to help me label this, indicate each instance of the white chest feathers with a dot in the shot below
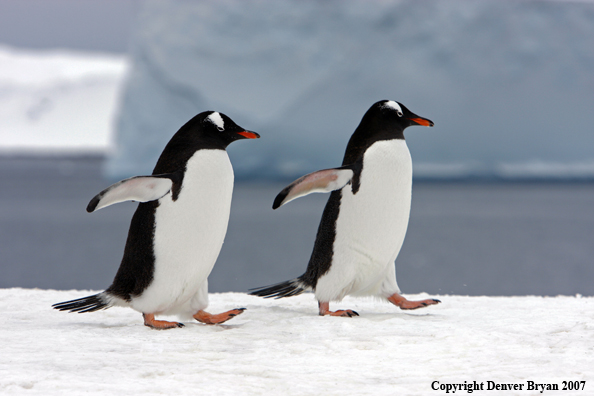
(371, 224)
(189, 232)
(378, 213)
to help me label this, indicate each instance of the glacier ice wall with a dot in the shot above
(57, 101)
(509, 84)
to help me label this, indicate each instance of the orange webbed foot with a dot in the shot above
(150, 321)
(403, 303)
(325, 310)
(207, 318)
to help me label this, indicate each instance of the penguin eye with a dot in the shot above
(399, 113)
(220, 129)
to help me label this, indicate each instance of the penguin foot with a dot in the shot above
(150, 321)
(207, 318)
(403, 303)
(325, 310)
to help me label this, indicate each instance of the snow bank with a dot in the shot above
(283, 347)
(58, 100)
(507, 83)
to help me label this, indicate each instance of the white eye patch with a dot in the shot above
(393, 105)
(216, 119)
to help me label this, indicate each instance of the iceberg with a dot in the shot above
(58, 101)
(504, 82)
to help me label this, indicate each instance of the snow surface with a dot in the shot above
(58, 100)
(283, 347)
(509, 84)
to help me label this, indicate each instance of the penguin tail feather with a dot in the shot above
(92, 303)
(290, 288)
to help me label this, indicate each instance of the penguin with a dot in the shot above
(364, 222)
(178, 229)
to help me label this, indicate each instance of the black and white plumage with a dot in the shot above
(365, 220)
(178, 228)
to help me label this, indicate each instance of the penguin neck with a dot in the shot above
(181, 148)
(362, 140)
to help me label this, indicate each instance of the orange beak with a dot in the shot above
(249, 134)
(422, 121)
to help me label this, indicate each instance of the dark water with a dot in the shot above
(463, 238)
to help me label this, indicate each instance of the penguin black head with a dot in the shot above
(208, 130)
(217, 127)
(385, 120)
(390, 115)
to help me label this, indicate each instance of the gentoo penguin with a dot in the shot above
(178, 229)
(365, 220)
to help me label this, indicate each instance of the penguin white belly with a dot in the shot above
(189, 234)
(371, 225)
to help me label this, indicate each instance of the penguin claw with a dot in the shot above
(405, 304)
(150, 321)
(207, 318)
(324, 310)
(345, 313)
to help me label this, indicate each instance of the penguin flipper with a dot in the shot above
(325, 180)
(137, 188)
